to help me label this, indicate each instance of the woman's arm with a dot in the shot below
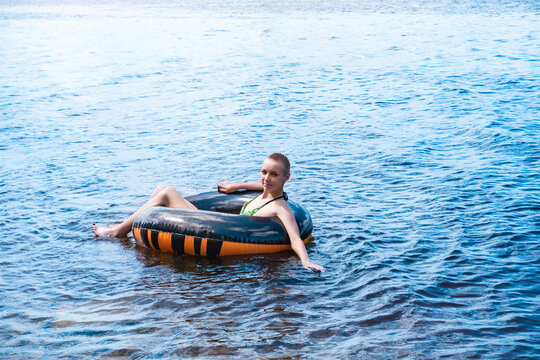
(289, 222)
(230, 187)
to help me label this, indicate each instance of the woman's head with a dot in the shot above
(283, 160)
(275, 172)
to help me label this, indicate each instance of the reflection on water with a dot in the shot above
(413, 132)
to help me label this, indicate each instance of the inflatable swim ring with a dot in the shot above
(216, 229)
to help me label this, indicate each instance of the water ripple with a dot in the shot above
(413, 133)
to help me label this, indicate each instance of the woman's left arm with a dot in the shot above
(289, 222)
(230, 186)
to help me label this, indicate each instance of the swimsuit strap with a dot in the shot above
(284, 196)
(253, 211)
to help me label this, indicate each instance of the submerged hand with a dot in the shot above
(313, 267)
(227, 187)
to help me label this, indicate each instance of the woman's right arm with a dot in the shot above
(230, 187)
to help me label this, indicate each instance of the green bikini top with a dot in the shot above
(253, 211)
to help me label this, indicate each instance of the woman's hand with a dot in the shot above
(228, 187)
(313, 267)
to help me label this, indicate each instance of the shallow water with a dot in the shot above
(413, 129)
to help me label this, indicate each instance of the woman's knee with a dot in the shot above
(159, 188)
(170, 193)
(165, 190)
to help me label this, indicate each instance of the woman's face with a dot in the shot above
(273, 175)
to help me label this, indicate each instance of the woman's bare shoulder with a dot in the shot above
(281, 206)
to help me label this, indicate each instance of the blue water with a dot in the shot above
(413, 129)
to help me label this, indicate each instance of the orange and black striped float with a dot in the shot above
(216, 229)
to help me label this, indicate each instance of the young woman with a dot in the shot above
(274, 174)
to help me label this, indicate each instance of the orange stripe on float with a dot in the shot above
(204, 243)
(165, 241)
(149, 237)
(137, 235)
(189, 245)
(234, 248)
(227, 248)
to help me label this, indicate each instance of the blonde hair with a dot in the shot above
(283, 159)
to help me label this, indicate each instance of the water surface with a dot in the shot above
(413, 131)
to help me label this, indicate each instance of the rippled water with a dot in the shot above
(413, 129)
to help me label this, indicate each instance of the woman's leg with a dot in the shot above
(162, 196)
(157, 190)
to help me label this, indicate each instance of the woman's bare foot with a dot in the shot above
(104, 231)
